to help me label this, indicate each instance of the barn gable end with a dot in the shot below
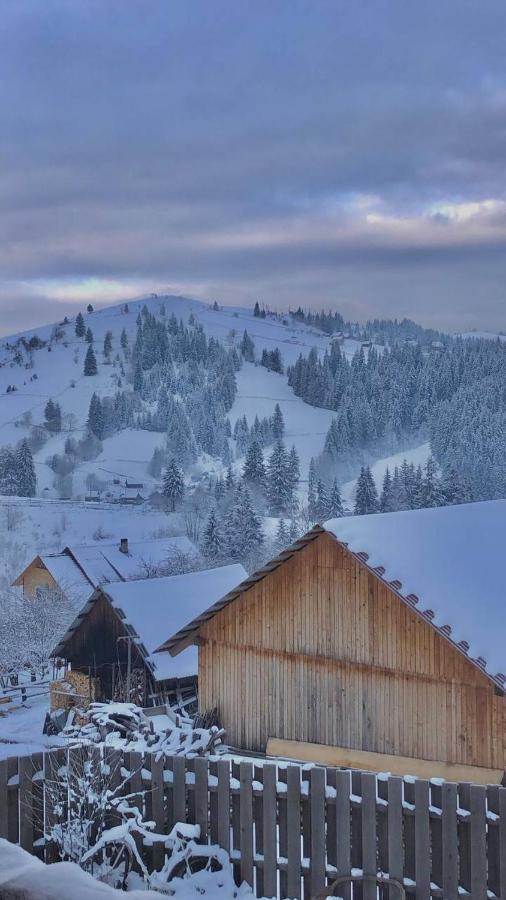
(321, 650)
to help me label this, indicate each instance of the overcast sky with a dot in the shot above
(343, 154)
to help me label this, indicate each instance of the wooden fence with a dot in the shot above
(291, 829)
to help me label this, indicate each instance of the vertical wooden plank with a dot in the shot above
(343, 829)
(282, 829)
(293, 831)
(464, 836)
(259, 831)
(369, 863)
(395, 836)
(409, 830)
(38, 805)
(317, 809)
(436, 827)
(356, 832)
(270, 832)
(179, 789)
(502, 840)
(52, 763)
(213, 801)
(13, 800)
(493, 833)
(382, 824)
(202, 798)
(158, 807)
(236, 820)
(25, 770)
(422, 839)
(450, 850)
(478, 841)
(133, 762)
(246, 818)
(223, 766)
(4, 833)
(330, 816)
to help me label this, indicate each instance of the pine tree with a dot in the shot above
(254, 468)
(278, 423)
(230, 480)
(256, 310)
(282, 537)
(386, 504)
(311, 491)
(52, 416)
(123, 339)
(96, 421)
(25, 470)
(89, 308)
(247, 347)
(138, 379)
(90, 362)
(8, 472)
(242, 532)
(173, 484)
(322, 502)
(335, 502)
(366, 499)
(80, 328)
(89, 336)
(212, 542)
(108, 343)
(279, 489)
(432, 494)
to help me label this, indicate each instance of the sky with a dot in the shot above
(329, 153)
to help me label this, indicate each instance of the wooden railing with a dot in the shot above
(291, 830)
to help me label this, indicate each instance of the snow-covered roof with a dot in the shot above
(156, 607)
(448, 562)
(68, 576)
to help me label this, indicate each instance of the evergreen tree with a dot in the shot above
(432, 494)
(311, 491)
(453, 488)
(366, 499)
(256, 310)
(90, 362)
(138, 379)
(123, 339)
(278, 423)
(173, 484)
(230, 480)
(89, 308)
(282, 540)
(386, 500)
(242, 532)
(212, 543)
(89, 336)
(80, 328)
(108, 343)
(279, 488)
(96, 422)
(52, 416)
(25, 471)
(8, 472)
(322, 502)
(335, 502)
(247, 347)
(254, 468)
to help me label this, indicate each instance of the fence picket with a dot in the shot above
(179, 788)
(25, 770)
(369, 864)
(201, 797)
(4, 831)
(395, 836)
(422, 839)
(343, 828)
(502, 841)
(293, 831)
(478, 841)
(158, 807)
(450, 852)
(317, 808)
(246, 819)
(270, 832)
(224, 804)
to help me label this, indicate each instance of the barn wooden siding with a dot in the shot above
(321, 650)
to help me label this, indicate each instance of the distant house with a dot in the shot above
(78, 570)
(113, 638)
(134, 485)
(375, 642)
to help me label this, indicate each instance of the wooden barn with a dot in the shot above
(375, 642)
(113, 638)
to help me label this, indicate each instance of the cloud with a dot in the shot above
(246, 148)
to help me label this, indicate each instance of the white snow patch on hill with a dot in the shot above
(418, 456)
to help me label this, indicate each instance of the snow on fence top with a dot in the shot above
(449, 563)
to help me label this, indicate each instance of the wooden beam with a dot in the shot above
(381, 762)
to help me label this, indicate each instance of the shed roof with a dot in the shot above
(155, 606)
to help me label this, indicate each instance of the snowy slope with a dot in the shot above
(417, 455)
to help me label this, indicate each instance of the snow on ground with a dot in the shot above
(258, 391)
(21, 725)
(417, 455)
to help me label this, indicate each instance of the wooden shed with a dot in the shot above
(121, 624)
(365, 644)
